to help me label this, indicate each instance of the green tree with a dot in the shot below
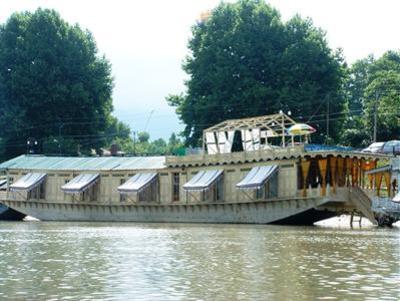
(383, 95)
(175, 145)
(374, 86)
(357, 82)
(244, 61)
(53, 83)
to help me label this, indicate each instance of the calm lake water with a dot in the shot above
(84, 261)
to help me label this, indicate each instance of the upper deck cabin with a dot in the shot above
(243, 160)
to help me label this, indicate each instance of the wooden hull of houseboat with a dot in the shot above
(261, 212)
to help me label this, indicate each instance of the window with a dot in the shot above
(42, 191)
(260, 192)
(122, 196)
(175, 187)
(219, 190)
(272, 187)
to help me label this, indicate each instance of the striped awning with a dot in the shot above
(137, 183)
(257, 176)
(28, 182)
(80, 183)
(203, 180)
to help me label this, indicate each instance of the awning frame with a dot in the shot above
(153, 177)
(271, 173)
(84, 188)
(200, 175)
(41, 177)
(217, 177)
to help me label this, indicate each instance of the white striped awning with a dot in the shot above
(203, 180)
(80, 183)
(137, 183)
(28, 182)
(257, 176)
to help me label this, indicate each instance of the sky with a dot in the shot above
(146, 43)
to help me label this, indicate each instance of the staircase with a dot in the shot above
(363, 203)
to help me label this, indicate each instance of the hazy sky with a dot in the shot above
(146, 42)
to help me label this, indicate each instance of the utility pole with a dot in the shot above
(375, 115)
(134, 143)
(59, 137)
(327, 119)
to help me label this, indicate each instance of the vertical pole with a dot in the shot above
(327, 120)
(283, 130)
(351, 219)
(203, 144)
(134, 143)
(375, 115)
(59, 137)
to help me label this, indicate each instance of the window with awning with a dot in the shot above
(137, 183)
(262, 181)
(142, 187)
(80, 183)
(203, 180)
(257, 177)
(28, 182)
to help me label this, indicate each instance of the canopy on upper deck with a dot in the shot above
(257, 177)
(80, 183)
(28, 182)
(254, 132)
(203, 180)
(137, 183)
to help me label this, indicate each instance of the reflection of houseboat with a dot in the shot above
(271, 179)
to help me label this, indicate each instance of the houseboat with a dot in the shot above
(273, 176)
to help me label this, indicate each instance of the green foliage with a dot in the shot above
(244, 61)
(52, 82)
(143, 146)
(55, 146)
(374, 85)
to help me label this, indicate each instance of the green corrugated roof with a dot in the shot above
(36, 162)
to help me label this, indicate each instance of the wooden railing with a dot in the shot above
(249, 156)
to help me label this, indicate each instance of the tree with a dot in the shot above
(383, 95)
(53, 83)
(356, 84)
(373, 87)
(244, 61)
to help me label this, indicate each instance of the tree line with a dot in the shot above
(246, 61)
(243, 61)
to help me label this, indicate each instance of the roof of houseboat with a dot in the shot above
(38, 162)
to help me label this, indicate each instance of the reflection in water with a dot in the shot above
(196, 262)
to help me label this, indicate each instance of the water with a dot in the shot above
(82, 261)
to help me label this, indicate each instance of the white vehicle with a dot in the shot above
(375, 147)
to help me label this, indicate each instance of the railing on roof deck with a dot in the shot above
(245, 156)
